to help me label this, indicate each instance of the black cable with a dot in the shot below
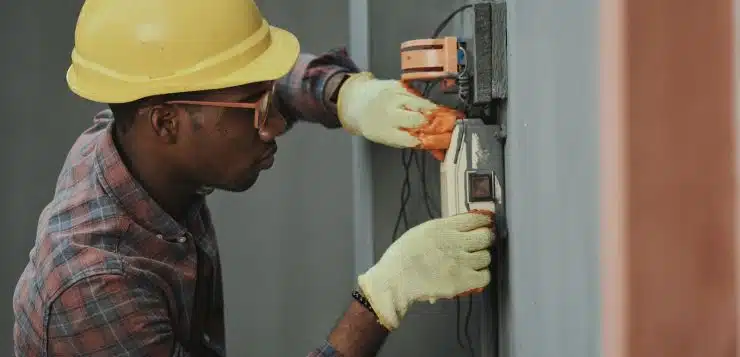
(469, 339)
(449, 18)
(421, 166)
(409, 155)
(459, 315)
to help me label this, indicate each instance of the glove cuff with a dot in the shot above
(344, 109)
(381, 297)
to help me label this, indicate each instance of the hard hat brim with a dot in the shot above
(275, 62)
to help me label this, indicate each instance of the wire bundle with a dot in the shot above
(412, 157)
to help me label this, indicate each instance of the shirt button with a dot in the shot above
(182, 239)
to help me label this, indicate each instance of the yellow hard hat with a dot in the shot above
(128, 50)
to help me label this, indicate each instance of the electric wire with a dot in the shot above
(449, 18)
(420, 159)
(428, 204)
(407, 157)
(458, 323)
(468, 339)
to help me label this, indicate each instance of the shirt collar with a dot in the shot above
(117, 181)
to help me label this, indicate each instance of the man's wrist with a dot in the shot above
(333, 85)
(358, 333)
(360, 298)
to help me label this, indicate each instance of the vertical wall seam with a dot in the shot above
(362, 189)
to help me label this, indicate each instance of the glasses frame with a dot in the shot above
(261, 106)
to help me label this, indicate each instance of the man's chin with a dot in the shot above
(240, 186)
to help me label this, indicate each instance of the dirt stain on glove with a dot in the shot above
(490, 215)
(484, 212)
(435, 134)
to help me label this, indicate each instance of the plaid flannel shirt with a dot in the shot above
(112, 274)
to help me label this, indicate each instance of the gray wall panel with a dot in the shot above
(552, 178)
(287, 243)
(40, 120)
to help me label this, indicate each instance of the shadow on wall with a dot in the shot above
(40, 121)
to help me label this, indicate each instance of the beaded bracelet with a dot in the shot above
(363, 301)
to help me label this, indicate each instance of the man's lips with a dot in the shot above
(268, 158)
(269, 153)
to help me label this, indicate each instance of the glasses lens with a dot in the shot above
(262, 111)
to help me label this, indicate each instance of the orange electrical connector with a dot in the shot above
(429, 59)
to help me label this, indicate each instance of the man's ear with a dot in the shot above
(164, 122)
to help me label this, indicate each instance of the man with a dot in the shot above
(126, 261)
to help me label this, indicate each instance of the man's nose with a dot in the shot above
(274, 127)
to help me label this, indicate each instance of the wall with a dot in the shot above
(552, 178)
(287, 243)
(40, 119)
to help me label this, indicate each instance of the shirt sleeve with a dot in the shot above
(110, 315)
(300, 94)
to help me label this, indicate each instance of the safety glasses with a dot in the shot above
(261, 107)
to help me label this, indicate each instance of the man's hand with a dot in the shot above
(390, 113)
(439, 259)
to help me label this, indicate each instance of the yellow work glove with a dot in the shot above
(389, 113)
(439, 259)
